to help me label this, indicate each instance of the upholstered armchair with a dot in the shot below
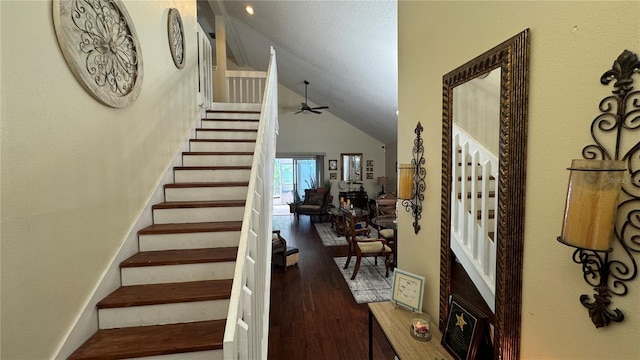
(315, 204)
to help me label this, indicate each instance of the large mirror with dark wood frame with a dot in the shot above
(351, 166)
(484, 134)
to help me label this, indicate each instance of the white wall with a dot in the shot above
(572, 45)
(391, 155)
(326, 134)
(76, 173)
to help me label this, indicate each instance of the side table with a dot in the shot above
(395, 323)
(337, 220)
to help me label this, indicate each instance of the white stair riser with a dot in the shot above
(226, 135)
(194, 355)
(163, 314)
(222, 146)
(194, 215)
(229, 124)
(232, 106)
(206, 193)
(234, 116)
(182, 176)
(189, 240)
(217, 160)
(177, 273)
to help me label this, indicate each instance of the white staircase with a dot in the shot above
(175, 292)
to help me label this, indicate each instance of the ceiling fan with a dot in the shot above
(306, 107)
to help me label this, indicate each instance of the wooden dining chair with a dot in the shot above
(363, 247)
(386, 211)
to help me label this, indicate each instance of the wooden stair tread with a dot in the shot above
(213, 111)
(226, 129)
(492, 194)
(223, 140)
(217, 153)
(183, 228)
(183, 256)
(212, 168)
(492, 214)
(198, 204)
(143, 341)
(168, 293)
(235, 120)
(206, 184)
(491, 177)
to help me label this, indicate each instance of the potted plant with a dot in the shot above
(311, 183)
(327, 186)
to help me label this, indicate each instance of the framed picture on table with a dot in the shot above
(407, 290)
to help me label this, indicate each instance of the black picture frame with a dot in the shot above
(466, 335)
(333, 164)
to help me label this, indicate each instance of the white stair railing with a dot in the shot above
(246, 334)
(205, 70)
(474, 205)
(245, 86)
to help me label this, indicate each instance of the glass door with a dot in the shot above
(291, 176)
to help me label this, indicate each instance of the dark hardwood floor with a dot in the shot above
(313, 314)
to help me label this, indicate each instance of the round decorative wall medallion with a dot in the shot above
(176, 37)
(100, 45)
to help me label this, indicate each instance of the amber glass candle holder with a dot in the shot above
(407, 180)
(592, 203)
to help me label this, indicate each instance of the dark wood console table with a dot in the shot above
(395, 324)
(359, 199)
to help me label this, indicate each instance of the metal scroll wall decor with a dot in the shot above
(615, 132)
(100, 45)
(415, 186)
(176, 38)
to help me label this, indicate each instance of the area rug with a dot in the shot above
(370, 285)
(329, 236)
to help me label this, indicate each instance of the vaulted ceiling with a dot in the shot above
(347, 50)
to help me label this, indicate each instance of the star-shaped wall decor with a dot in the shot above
(460, 322)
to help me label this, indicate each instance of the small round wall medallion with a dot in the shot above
(176, 37)
(100, 45)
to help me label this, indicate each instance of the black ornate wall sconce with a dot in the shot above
(603, 197)
(412, 185)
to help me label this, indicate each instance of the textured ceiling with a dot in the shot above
(347, 50)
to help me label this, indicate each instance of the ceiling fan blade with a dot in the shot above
(320, 107)
(316, 112)
(298, 112)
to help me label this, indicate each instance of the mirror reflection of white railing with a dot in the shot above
(245, 86)
(473, 208)
(246, 333)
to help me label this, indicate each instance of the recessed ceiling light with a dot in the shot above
(249, 9)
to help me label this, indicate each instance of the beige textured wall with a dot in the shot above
(76, 173)
(328, 134)
(572, 45)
